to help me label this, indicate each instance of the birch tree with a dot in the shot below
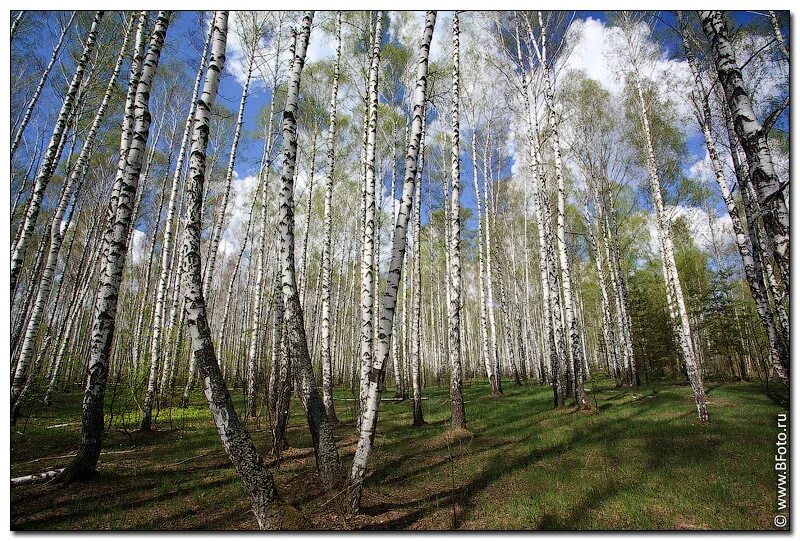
(675, 295)
(368, 242)
(56, 234)
(328, 462)
(52, 156)
(457, 415)
(105, 310)
(370, 417)
(159, 309)
(753, 138)
(236, 441)
(325, 346)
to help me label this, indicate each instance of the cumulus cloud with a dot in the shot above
(138, 246)
(706, 229)
(601, 51)
(233, 233)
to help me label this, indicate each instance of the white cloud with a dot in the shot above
(700, 226)
(138, 246)
(602, 52)
(235, 226)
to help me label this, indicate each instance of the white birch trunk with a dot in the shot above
(51, 157)
(370, 416)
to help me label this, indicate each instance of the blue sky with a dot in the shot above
(184, 42)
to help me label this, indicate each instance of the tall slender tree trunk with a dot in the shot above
(457, 415)
(328, 462)
(417, 416)
(670, 268)
(481, 278)
(325, 349)
(368, 242)
(370, 416)
(52, 156)
(566, 274)
(92, 424)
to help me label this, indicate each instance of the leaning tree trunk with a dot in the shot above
(457, 415)
(235, 439)
(51, 157)
(325, 349)
(776, 30)
(92, 424)
(328, 462)
(670, 269)
(56, 235)
(753, 137)
(15, 25)
(167, 250)
(370, 417)
(40, 86)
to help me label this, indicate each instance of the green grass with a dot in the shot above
(639, 460)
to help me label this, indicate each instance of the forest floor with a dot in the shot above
(638, 460)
